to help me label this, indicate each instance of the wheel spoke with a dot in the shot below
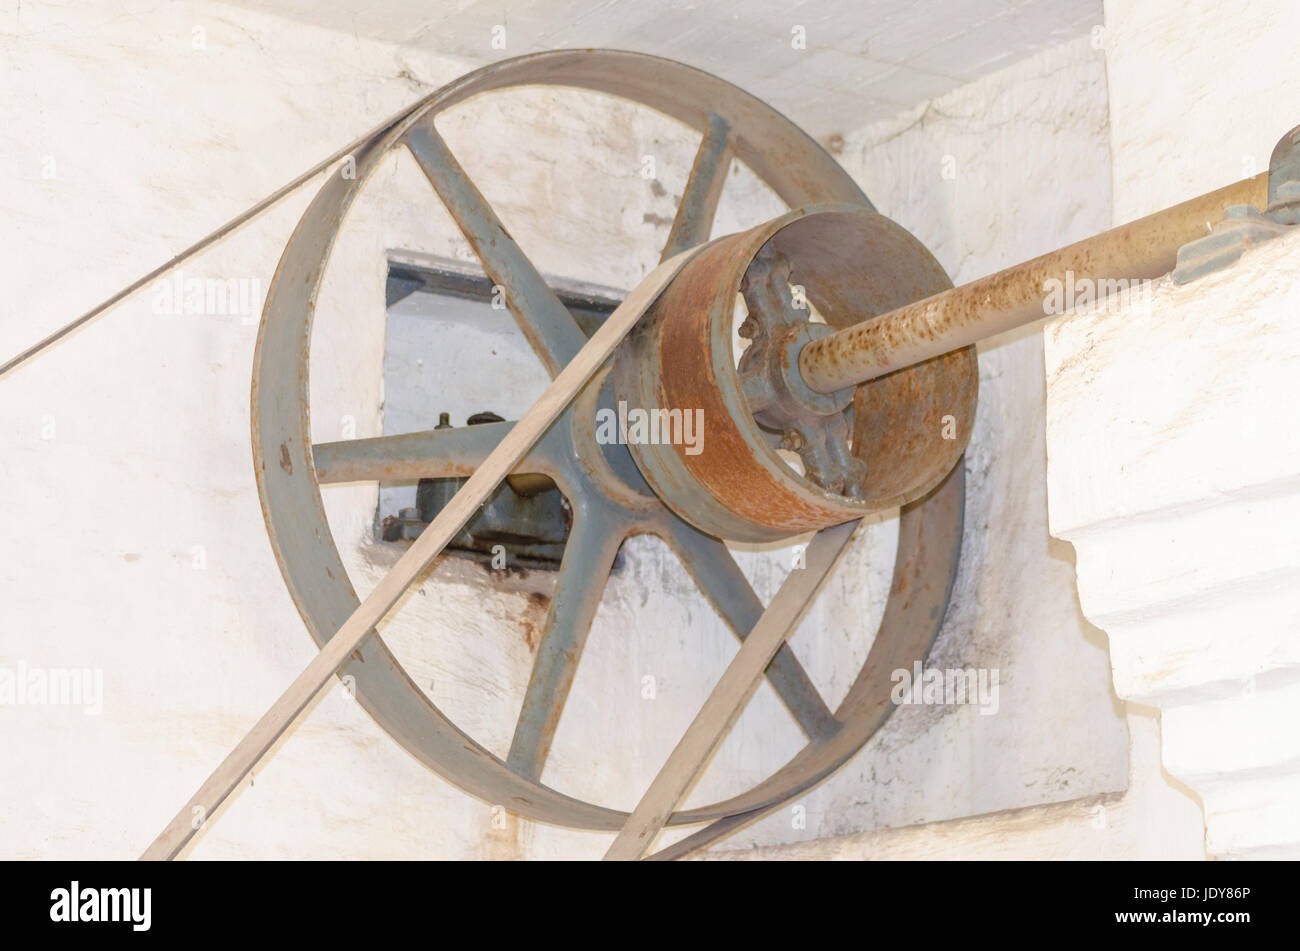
(729, 696)
(589, 554)
(694, 219)
(545, 321)
(432, 454)
(720, 579)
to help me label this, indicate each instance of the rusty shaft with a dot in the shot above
(950, 320)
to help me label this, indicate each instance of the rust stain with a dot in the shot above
(537, 602)
(286, 463)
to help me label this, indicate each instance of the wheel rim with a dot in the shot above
(800, 172)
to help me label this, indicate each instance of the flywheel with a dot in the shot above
(867, 448)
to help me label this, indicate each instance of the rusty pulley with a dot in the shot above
(908, 430)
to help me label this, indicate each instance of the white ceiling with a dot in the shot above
(865, 59)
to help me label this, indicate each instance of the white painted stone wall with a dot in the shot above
(134, 540)
(1200, 93)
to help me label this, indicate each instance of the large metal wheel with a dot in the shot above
(609, 498)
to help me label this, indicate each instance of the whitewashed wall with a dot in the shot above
(134, 540)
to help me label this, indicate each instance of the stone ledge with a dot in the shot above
(1174, 469)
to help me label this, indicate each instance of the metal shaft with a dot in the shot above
(1146, 248)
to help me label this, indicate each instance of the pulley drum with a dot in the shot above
(896, 441)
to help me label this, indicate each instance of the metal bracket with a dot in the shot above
(526, 515)
(806, 422)
(1244, 226)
